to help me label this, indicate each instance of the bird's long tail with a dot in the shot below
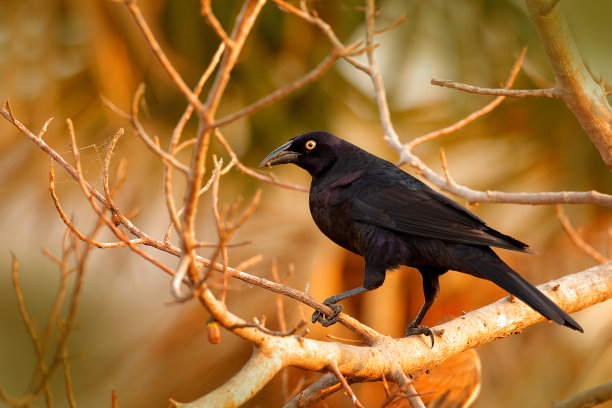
(495, 270)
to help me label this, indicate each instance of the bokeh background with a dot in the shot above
(59, 57)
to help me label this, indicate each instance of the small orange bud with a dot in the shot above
(214, 332)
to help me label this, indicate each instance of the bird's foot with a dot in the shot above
(327, 320)
(412, 330)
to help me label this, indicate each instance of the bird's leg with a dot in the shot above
(331, 302)
(431, 288)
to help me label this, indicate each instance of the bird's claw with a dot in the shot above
(327, 320)
(412, 330)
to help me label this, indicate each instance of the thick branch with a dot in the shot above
(574, 84)
(498, 320)
(244, 385)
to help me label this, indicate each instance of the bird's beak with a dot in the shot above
(280, 156)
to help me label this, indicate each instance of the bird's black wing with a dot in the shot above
(426, 213)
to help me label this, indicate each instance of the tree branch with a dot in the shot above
(515, 93)
(573, 82)
(588, 398)
(501, 319)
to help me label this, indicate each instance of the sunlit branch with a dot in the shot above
(514, 93)
(475, 115)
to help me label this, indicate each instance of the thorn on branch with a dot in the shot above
(7, 112)
(449, 179)
(43, 130)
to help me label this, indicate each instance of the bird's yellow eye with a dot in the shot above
(310, 144)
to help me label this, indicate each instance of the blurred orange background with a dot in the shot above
(57, 58)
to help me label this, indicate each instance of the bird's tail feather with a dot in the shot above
(509, 280)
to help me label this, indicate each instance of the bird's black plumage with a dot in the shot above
(374, 209)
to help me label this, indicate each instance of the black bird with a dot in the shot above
(373, 208)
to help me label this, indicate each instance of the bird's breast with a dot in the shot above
(330, 213)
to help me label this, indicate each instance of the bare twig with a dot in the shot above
(160, 55)
(311, 76)
(67, 379)
(282, 324)
(336, 371)
(449, 178)
(32, 332)
(577, 239)
(260, 327)
(316, 392)
(475, 115)
(140, 131)
(243, 25)
(72, 227)
(406, 388)
(591, 397)
(173, 148)
(514, 93)
(207, 12)
(245, 170)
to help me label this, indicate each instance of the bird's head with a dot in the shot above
(312, 151)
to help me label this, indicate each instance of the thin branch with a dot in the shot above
(391, 26)
(67, 379)
(591, 397)
(475, 115)
(336, 371)
(73, 228)
(90, 194)
(282, 324)
(160, 55)
(243, 25)
(327, 30)
(316, 392)
(577, 239)
(32, 332)
(250, 172)
(406, 388)
(390, 134)
(140, 131)
(260, 327)
(311, 76)
(206, 11)
(449, 178)
(174, 148)
(105, 172)
(514, 93)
